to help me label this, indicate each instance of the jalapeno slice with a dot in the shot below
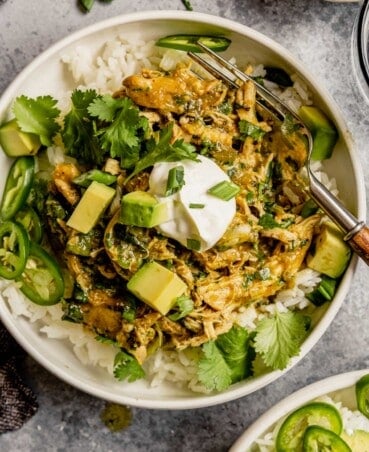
(28, 218)
(42, 280)
(320, 439)
(291, 433)
(17, 187)
(188, 43)
(362, 395)
(14, 249)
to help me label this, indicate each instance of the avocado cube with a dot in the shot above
(331, 254)
(140, 208)
(91, 206)
(324, 133)
(156, 286)
(15, 142)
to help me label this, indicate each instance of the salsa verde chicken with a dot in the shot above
(258, 254)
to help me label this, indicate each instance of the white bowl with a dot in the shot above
(45, 75)
(341, 386)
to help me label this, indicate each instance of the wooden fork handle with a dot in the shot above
(359, 242)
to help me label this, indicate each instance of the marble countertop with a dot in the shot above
(319, 34)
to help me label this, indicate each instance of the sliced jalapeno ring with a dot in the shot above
(14, 249)
(42, 280)
(291, 433)
(319, 438)
(17, 187)
(188, 43)
(28, 218)
(362, 395)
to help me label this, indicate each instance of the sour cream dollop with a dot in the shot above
(196, 216)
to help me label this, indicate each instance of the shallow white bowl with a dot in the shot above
(45, 75)
(341, 386)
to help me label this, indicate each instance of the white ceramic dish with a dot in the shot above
(45, 75)
(341, 386)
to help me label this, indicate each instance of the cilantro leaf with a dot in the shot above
(184, 306)
(78, 131)
(226, 360)
(37, 116)
(278, 338)
(247, 129)
(163, 150)
(122, 137)
(127, 367)
(213, 371)
(234, 346)
(267, 221)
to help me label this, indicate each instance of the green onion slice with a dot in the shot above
(225, 190)
(175, 180)
(193, 244)
(194, 205)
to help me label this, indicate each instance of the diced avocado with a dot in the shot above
(358, 441)
(324, 133)
(15, 142)
(156, 286)
(140, 208)
(331, 254)
(90, 207)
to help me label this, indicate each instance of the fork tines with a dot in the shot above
(225, 70)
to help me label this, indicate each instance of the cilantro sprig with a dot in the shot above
(279, 337)
(125, 129)
(37, 116)
(126, 367)
(162, 150)
(78, 133)
(226, 360)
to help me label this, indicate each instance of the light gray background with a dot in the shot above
(319, 34)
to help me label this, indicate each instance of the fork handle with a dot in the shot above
(359, 242)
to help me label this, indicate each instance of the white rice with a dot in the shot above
(351, 420)
(104, 72)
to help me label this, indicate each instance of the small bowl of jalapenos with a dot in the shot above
(331, 414)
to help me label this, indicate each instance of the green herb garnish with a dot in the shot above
(37, 116)
(193, 205)
(175, 180)
(225, 190)
(183, 306)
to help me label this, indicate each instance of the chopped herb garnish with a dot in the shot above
(175, 180)
(193, 205)
(267, 221)
(183, 306)
(289, 125)
(247, 129)
(225, 190)
(194, 244)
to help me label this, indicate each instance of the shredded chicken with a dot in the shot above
(260, 253)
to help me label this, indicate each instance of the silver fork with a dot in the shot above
(356, 232)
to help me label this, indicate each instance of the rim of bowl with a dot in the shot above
(362, 35)
(239, 389)
(304, 395)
